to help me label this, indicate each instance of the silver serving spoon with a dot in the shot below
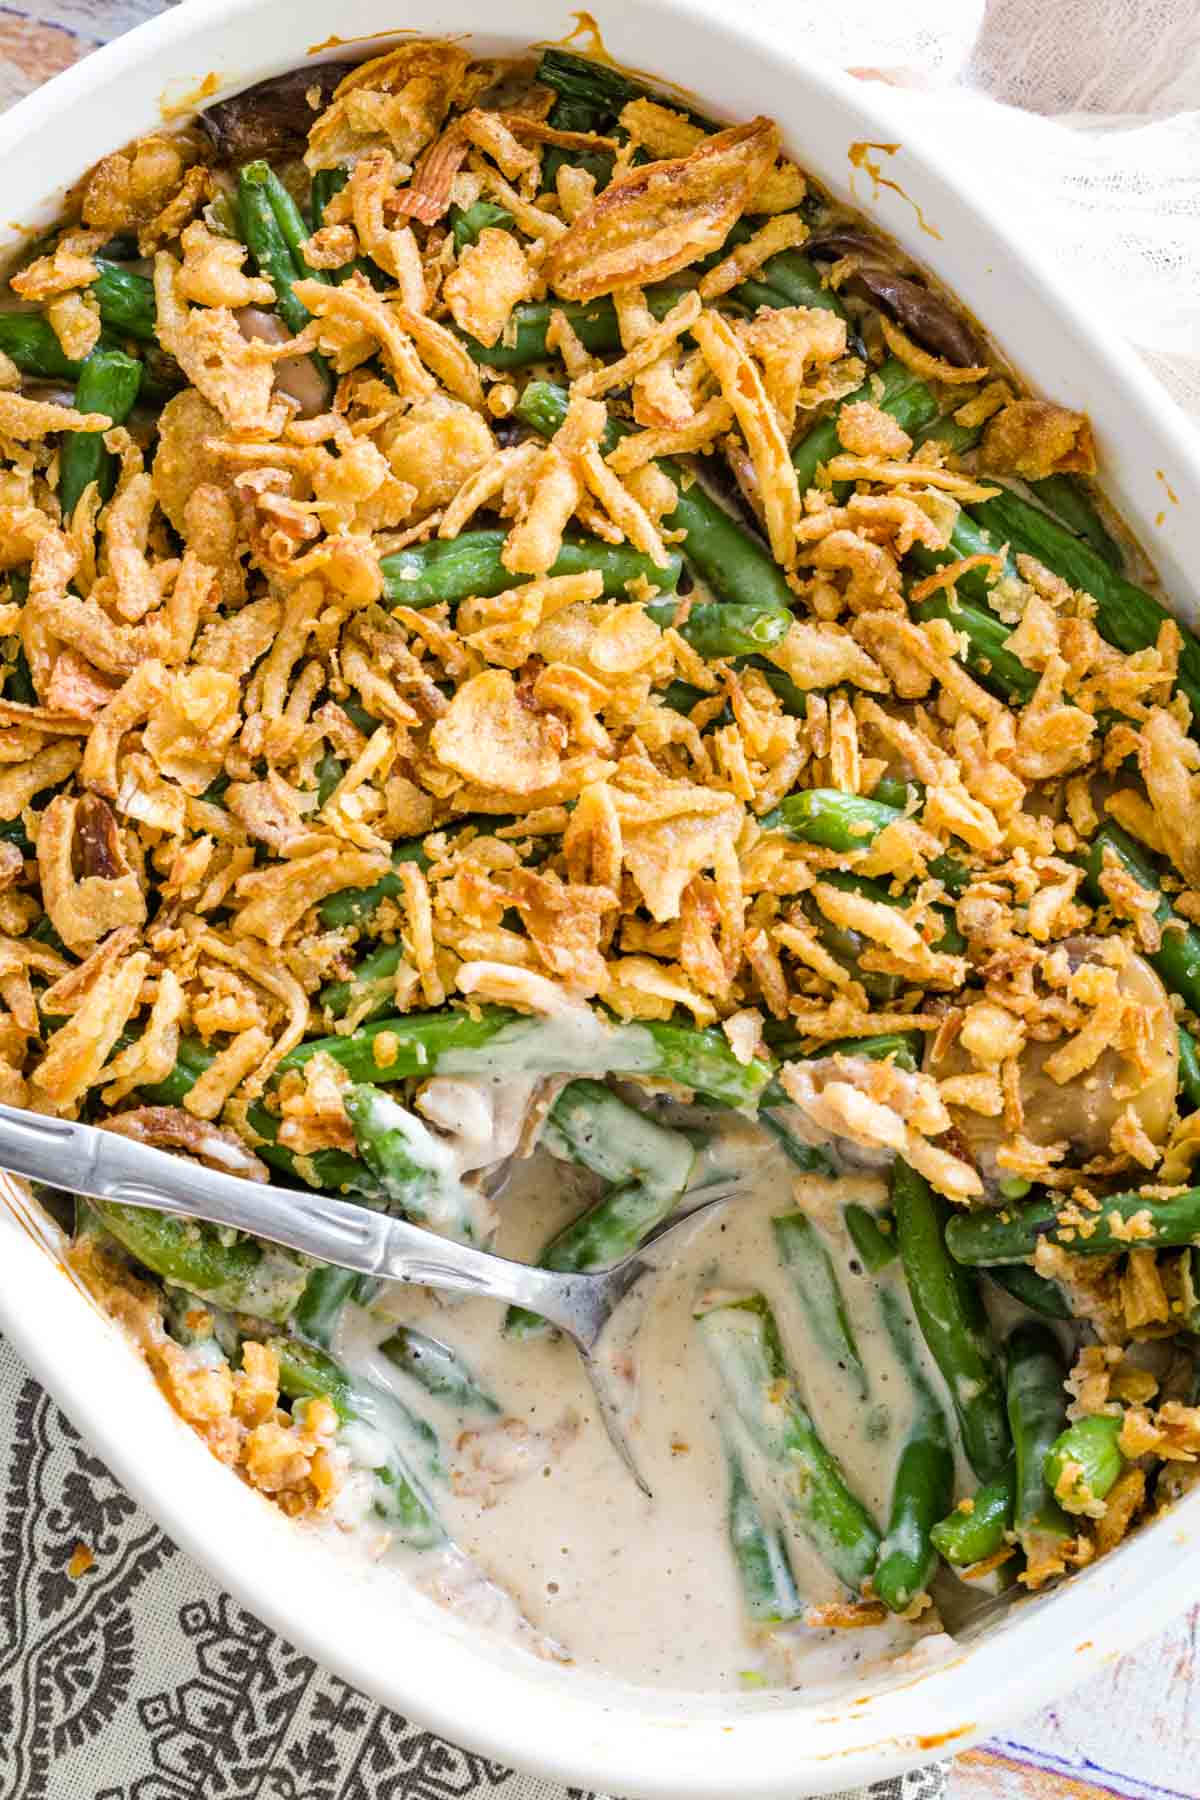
(86, 1160)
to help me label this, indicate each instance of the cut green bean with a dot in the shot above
(412, 1165)
(108, 383)
(239, 1276)
(984, 650)
(268, 245)
(846, 822)
(891, 387)
(451, 569)
(768, 1585)
(1121, 1222)
(320, 1306)
(466, 223)
(903, 1047)
(1084, 1462)
(438, 1368)
(735, 564)
(1177, 958)
(647, 1165)
(1068, 499)
(30, 341)
(1037, 1413)
(725, 628)
(372, 984)
(1126, 616)
(496, 1041)
(924, 1479)
(1189, 1072)
(354, 906)
(742, 1338)
(972, 1533)
(1031, 1289)
(873, 1236)
(396, 1441)
(290, 220)
(126, 301)
(952, 1320)
(808, 1262)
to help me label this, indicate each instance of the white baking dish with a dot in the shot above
(364, 1623)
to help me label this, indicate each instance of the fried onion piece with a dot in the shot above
(652, 221)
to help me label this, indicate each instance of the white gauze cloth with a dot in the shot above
(1085, 113)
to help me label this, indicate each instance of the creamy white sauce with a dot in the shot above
(568, 1552)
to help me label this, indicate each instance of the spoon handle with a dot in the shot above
(105, 1166)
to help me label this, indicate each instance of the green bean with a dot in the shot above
(601, 88)
(1037, 1413)
(954, 438)
(724, 628)
(971, 1533)
(126, 301)
(735, 565)
(1121, 1222)
(494, 1041)
(1031, 1289)
(1084, 1461)
(331, 1170)
(1177, 958)
(450, 569)
(952, 1320)
(397, 1437)
(290, 220)
(412, 1166)
(764, 1571)
(330, 770)
(268, 245)
(466, 223)
(808, 1262)
(846, 822)
(31, 342)
(354, 906)
(984, 651)
(646, 1164)
(924, 1479)
(325, 184)
(591, 1125)
(1189, 1071)
(743, 1340)
(794, 280)
(1067, 497)
(681, 696)
(779, 1118)
(320, 1306)
(374, 980)
(891, 387)
(243, 1276)
(108, 383)
(1126, 615)
(873, 1236)
(904, 1047)
(893, 792)
(830, 818)
(438, 1369)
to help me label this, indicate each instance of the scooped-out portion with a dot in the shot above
(545, 667)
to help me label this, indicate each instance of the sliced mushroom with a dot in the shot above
(97, 839)
(929, 320)
(171, 1128)
(296, 376)
(1082, 1113)
(272, 118)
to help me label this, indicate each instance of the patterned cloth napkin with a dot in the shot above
(126, 1674)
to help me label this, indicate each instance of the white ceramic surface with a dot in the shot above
(363, 1623)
